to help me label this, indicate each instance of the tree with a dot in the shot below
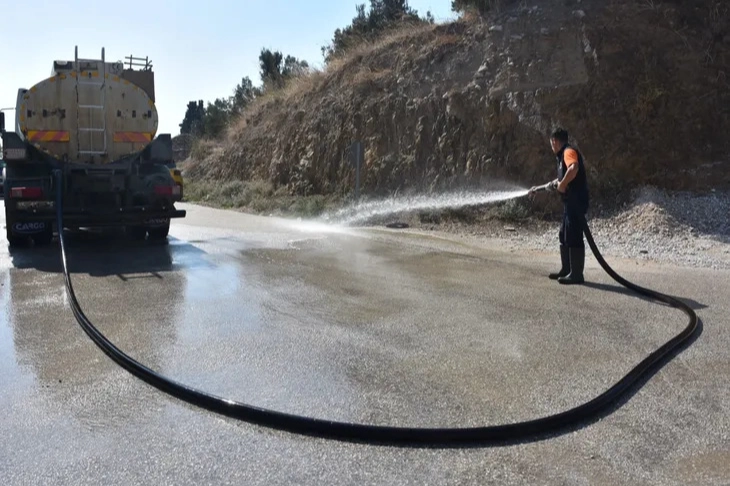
(293, 67)
(276, 70)
(270, 63)
(217, 116)
(482, 6)
(243, 95)
(212, 120)
(382, 15)
(193, 123)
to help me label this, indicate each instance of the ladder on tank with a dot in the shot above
(94, 107)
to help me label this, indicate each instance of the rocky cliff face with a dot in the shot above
(642, 87)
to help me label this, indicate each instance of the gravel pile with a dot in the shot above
(679, 228)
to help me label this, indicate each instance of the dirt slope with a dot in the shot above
(643, 88)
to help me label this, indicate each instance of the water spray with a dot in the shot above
(362, 212)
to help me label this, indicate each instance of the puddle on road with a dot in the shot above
(22, 298)
(212, 283)
(9, 369)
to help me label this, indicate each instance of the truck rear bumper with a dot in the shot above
(89, 218)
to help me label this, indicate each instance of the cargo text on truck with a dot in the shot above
(95, 122)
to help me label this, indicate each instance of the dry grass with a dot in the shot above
(370, 63)
(471, 15)
(295, 89)
(447, 40)
(370, 48)
(204, 153)
(370, 76)
(258, 197)
(352, 67)
(202, 148)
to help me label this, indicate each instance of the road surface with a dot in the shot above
(374, 326)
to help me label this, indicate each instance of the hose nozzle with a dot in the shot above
(550, 186)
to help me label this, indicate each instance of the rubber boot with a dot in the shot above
(565, 260)
(577, 263)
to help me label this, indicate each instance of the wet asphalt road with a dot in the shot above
(373, 326)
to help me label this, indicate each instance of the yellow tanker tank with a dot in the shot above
(90, 111)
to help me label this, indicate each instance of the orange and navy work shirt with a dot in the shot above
(570, 156)
(576, 194)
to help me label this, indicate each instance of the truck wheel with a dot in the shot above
(15, 241)
(159, 232)
(136, 232)
(44, 238)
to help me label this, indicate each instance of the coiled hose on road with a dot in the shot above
(404, 436)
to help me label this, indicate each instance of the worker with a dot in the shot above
(572, 184)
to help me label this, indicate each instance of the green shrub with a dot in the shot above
(482, 6)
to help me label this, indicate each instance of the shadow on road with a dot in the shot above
(106, 254)
(624, 291)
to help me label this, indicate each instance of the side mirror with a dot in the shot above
(2, 121)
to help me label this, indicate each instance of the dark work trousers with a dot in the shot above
(571, 231)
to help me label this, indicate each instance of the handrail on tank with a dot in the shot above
(130, 61)
(145, 62)
(76, 55)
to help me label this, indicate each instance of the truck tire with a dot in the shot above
(159, 232)
(44, 238)
(136, 232)
(22, 240)
(15, 241)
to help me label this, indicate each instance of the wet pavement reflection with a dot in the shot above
(354, 325)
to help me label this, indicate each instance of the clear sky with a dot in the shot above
(199, 49)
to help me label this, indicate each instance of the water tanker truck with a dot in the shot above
(94, 123)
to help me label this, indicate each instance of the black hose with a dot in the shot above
(447, 437)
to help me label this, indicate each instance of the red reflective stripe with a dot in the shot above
(35, 136)
(132, 137)
(60, 136)
(48, 136)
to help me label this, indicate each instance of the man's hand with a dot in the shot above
(550, 186)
